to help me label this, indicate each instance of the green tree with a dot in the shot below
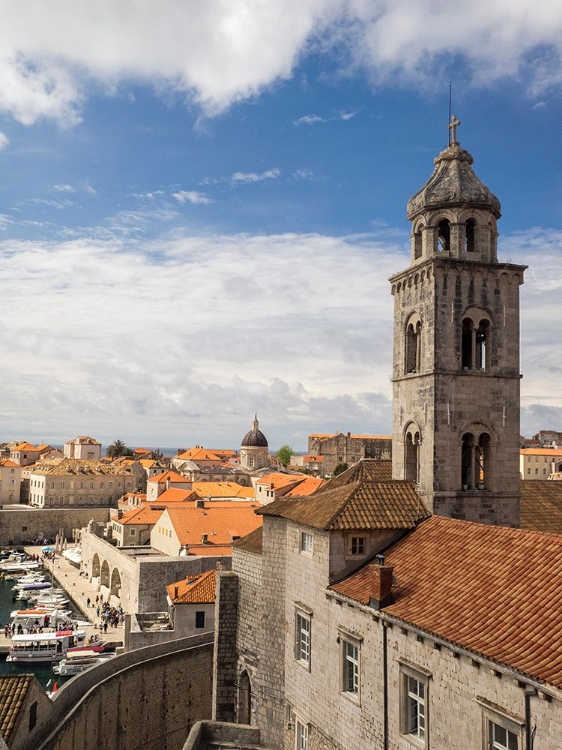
(340, 468)
(284, 454)
(117, 449)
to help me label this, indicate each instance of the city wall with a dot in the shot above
(19, 524)
(144, 700)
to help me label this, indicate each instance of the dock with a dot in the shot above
(79, 590)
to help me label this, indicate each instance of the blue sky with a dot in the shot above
(200, 206)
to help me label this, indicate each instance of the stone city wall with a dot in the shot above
(144, 700)
(19, 524)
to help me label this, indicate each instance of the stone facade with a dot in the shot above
(456, 352)
(20, 524)
(346, 449)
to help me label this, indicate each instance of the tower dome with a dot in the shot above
(255, 437)
(254, 452)
(454, 214)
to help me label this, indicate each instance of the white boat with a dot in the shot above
(40, 617)
(32, 586)
(44, 648)
(79, 661)
(17, 567)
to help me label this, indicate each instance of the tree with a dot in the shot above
(340, 468)
(284, 454)
(117, 449)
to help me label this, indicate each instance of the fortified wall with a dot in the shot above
(144, 700)
(20, 523)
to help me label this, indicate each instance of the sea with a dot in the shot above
(41, 671)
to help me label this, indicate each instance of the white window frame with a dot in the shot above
(495, 724)
(301, 734)
(350, 660)
(306, 543)
(414, 704)
(303, 636)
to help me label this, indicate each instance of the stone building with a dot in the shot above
(82, 447)
(344, 449)
(78, 482)
(254, 451)
(10, 482)
(539, 463)
(399, 613)
(456, 350)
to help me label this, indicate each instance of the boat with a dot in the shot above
(16, 567)
(40, 617)
(79, 661)
(44, 648)
(32, 586)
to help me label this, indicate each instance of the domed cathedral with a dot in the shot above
(254, 451)
(456, 350)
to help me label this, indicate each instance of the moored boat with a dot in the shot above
(44, 648)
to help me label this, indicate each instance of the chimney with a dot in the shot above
(176, 590)
(204, 538)
(381, 584)
(199, 503)
(119, 515)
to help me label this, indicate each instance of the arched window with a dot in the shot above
(418, 243)
(244, 699)
(413, 344)
(412, 455)
(475, 343)
(476, 461)
(469, 236)
(443, 236)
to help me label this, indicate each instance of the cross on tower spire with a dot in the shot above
(453, 125)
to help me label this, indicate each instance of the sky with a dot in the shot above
(201, 204)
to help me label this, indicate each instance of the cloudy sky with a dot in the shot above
(201, 204)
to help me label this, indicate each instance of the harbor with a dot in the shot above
(82, 596)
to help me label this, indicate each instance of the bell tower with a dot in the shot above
(456, 350)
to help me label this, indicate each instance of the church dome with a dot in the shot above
(453, 184)
(255, 437)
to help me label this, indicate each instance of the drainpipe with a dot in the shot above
(385, 687)
(530, 692)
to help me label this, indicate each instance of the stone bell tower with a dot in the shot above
(456, 350)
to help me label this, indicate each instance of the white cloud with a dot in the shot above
(309, 120)
(219, 53)
(64, 188)
(3, 140)
(192, 196)
(243, 178)
(180, 340)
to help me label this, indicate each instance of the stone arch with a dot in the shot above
(412, 440)
(418, 240)
(95, 566)
(443, 237)
(412, 348)
(115, 583)
(476, 339)
(104, 578)
(244, 699)
(478, 442)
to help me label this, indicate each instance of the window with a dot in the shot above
(199, 619)
(443, 236)
(302, 638)
(413, 720)
(301, 735)
(357, 545)
(306, 542)
(413, 344)
(32, 716)
(501, 738)
(469, 236)
(350, 667)
(475, 346)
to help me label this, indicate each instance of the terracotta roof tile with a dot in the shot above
(143, 515)
(544, 451)
(222, 489)
(366, 470)
(222, 522)
(492, 590)
(279, 480)
(176, 495)
(306, 487)
(541, 505)
(198, 589)
(252, 542)
(169, 476)
(360, 505)
(13, 691)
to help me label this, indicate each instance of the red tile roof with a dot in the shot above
(169, 476)
(222, 522)
(492, 590)
(13, 691)
(198, 589)
(306, 487)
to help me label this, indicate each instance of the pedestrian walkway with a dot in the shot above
(81, 591)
